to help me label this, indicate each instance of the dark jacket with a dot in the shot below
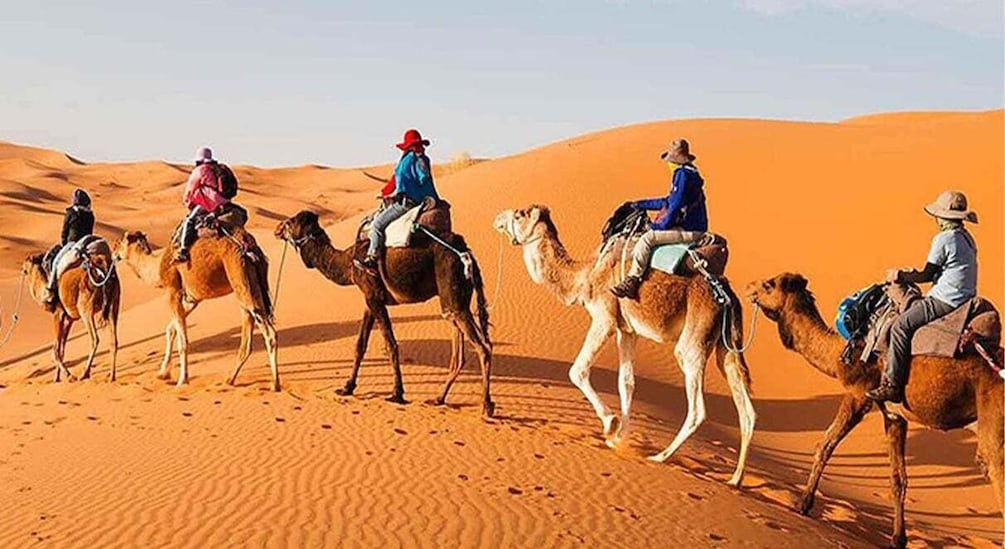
(684, 207)
(77, 223)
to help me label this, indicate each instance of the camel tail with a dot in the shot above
(258, 271)
(482, 302)
(733, 334)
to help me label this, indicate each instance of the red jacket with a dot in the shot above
(203, 189)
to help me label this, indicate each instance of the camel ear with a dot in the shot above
(535, 215)
(793, 283)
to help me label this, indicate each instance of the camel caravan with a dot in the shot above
(935, 359)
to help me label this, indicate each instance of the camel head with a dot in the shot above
(774, 294)
(525, 225)
(132, 244)
(302, 227)
(34, 275)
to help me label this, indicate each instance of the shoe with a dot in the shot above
(181, 256)
(886, 392)
(628, 288)
(368, 264)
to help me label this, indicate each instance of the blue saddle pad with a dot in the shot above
(667, 258)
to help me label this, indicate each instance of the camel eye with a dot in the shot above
(768, 285)
(519, 214)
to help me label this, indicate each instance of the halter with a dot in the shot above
(511, 229)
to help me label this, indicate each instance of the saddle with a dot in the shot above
(709, 254)
(228, 219)
(431, 214)
(973, 328)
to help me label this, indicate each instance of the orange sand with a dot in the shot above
(140, 462)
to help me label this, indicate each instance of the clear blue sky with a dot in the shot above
(331, 82)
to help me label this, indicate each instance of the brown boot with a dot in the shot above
(887, 391)
(628, 288)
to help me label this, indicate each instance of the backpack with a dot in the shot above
(857, 311)
(226, 180)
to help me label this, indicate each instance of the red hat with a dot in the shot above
(412, 138)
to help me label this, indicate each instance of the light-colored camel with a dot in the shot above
(670, 309)
(218, 267)
(942, 393)
(90, 293)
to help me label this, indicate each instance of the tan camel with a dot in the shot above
(942, 393)
(218, 267)
(90, 293)
(415, 274)
(670, 309)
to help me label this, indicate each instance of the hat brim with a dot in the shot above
(677, 158)
(201, 159)
(935, 210)
(410, 144)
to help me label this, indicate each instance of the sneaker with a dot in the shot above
(368, 264)
(886, 392)
(628, 288)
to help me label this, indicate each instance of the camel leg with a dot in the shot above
(732, 367)
(169, 334)
(181, 332)
(113, 345)
(579, 373)
(272, 348)
(93, 335)
(991, 436)
(362, 342)
(244, 350)
(626, 383)
(468, 328)
(456, 364)
(384, 319)
(850, 413)
(691, 356)
(896, 435)
(62, 324)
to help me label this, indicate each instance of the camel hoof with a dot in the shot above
(111, 378)
(611, 425)
(397, 399)
(658, 458)
(489, 410)
(438, 401)
(346, 391)
(735, 483)
(277, 388)
(87, 375)
(805, 506)
(898, 542)
(165, 376)
(181, 383)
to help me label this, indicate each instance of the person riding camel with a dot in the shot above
(413, 182)
(683, 218)
(952, 268)
(78, 223)
(203, 196)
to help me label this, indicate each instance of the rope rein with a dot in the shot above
(87, 266)
(15, 316)
(279, 275)
(744, 346)
(499, 273)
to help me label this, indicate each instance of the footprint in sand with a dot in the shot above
(325, 426)
(716, 537)
(515, 491)
(400, 431)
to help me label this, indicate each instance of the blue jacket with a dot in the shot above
(684, 207)
(413, 177)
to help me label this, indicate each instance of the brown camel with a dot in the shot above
(670, 309)
(408, 275)
(218, 267)
(90, 293)
(942, 393)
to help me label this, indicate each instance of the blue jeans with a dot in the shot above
(920, 312)
(381, 220)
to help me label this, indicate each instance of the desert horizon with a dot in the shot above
(140, 461)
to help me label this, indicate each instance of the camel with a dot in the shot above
(942, 393)
(670, 309)
(218, 266)
(90, 293)
(407, 275)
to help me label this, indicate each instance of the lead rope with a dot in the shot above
(499, 273)
(279, 275)
(466, 258)
(87, 269)
(17, 309)
(745, 346)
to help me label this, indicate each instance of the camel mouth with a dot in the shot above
(280, 232)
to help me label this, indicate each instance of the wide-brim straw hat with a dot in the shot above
(951, 205)
(678, 153)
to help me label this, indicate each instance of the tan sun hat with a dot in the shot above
(951, 205)
(679, 152)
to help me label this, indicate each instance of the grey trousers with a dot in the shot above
(653, 239)
(920, 312)
(380, 222)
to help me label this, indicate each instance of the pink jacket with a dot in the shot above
(203, 189)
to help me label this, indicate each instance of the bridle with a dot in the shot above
(511, 231)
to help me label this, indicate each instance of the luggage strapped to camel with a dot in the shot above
(865, 318)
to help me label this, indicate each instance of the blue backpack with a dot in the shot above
(855, 312)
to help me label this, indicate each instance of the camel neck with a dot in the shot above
(805, 332)
(550, 264)
(334, 264)
(148, 266)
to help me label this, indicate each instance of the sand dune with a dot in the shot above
(141, 462)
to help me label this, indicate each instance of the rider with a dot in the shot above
(683, 218)
(78, 222)
(952, 268)
(413, 182)
(202, 197)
